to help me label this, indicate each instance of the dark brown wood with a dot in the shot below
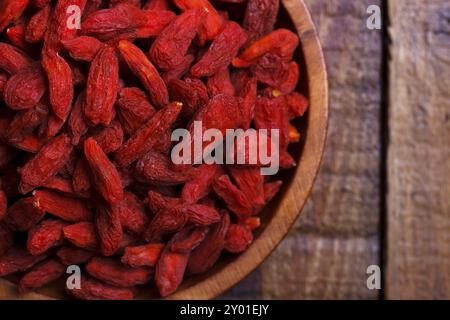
(418, 259)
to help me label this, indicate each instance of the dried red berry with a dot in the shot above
(171, 45)
(146, 137)
(238, 238)
(105, 177)
(170, 271)
(222, 50)
(63, 207)
(44, 236)
(146, 72)
(72, 255)
(95, 290)
(109, 229)
(22, 215)
(37, 26)
(60, 81)
(82, 235)
(17, 259)
(208, 252)
(143, 256)
(101, 87)
(41, 275)
(25, 88)
(115, 273)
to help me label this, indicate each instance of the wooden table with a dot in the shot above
(383, 194)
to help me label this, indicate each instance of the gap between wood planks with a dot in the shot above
(384, 143)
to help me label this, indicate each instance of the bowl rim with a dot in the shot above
(296, 195)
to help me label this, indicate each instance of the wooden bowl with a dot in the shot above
(278, 217)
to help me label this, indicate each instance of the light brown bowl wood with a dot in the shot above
(279, 216)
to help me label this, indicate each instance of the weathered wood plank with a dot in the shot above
(336, 239)
(418, 260)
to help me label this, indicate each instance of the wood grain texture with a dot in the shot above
(336, 237)
(418, 261)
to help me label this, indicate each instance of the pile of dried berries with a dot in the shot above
(85, 136)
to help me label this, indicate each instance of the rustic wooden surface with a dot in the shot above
(418, 260)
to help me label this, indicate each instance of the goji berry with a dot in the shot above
(213, 23)
(201, 215)
(146, 72)
(281, 42)
(22, 215)
(10, 11)
(44, 236)
(101, 87)
(62, 185)
(143, 256)
(12, 59)
(260, 17)
(220, 83)
(37, 26)
(167, 220)
(73, 255)
(16, 36)
(25, 88)
(250, 181)
(134, 109)
(77, 124)
(83, 48)
(105, 177)
(271, 189)
(25, 122)
(62, 25)
(95, 290)
(132, 214)
(222, 50)
(146, 137)
(82, 235)
(180, 70)
(41, 275)
(234, 198)
(188, 239)
(109, 229)
(171, 45)
(115, 273)
(81, 180)
(125, 21)
(60, 81)
(208, 252)
(63, 207)
(17, 259)
(109, 138)
(191, 92)
(252, 223)
(297, 104)
(154, 168)
(158, 202)
(238, 238)
(200, 186)
(170, 271)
